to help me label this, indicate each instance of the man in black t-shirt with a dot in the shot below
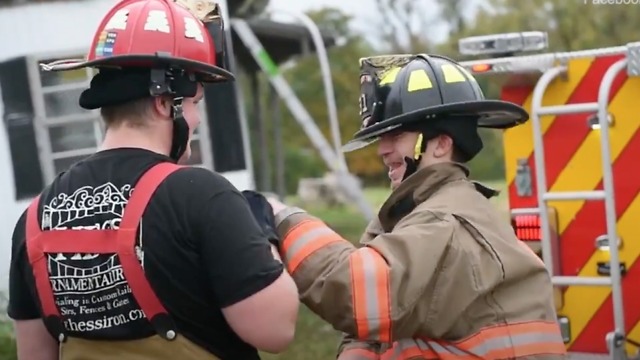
(212, 287)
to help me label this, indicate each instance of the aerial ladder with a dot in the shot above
(553, 66)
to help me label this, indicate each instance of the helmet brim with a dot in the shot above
(206, 72)
(492, 114)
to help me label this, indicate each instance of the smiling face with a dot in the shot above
(393, 147)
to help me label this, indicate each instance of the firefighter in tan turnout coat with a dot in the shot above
(439, 274)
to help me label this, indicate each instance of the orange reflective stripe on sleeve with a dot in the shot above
(358, 354)
(305, 238)
(409, 349)
(513, 340)
(491, 343)
(371, 297)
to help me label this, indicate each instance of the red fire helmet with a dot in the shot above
(153, 33)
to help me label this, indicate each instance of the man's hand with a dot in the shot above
(276, 205)
(263, 213)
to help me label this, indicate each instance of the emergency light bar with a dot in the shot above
(503, 44)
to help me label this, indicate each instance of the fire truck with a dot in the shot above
(572, 177)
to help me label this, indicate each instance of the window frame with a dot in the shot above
(202, 135)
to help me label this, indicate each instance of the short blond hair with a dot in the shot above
(134, 113)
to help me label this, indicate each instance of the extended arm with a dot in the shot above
(258, 298)
(368, 292)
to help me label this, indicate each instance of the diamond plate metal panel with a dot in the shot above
(633, 59)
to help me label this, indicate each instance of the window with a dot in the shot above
(225, 124)
(18, 120)
(67, 133)
(200, 152)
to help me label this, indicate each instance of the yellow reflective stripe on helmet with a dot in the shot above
(419, 80)
(452, 74)
(389, 76)
(417, 150)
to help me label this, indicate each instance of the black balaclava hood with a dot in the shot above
(462, 130)
(118, 86)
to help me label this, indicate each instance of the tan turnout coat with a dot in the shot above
(439, 275)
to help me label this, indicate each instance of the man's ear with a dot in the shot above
(443, 145)
(162, 106)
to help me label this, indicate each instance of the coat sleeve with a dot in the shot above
(368, 292)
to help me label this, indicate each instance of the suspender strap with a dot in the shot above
(38, 261)
(133, 272)
(121, 241)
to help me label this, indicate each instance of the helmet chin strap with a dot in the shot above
(164, 83)
(180, 134)
(412, 164)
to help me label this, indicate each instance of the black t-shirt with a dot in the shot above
(200, 247)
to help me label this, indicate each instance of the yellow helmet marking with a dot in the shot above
(419, 80)
(452, 74)
(389, 76)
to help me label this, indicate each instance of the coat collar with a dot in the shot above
(416, 189)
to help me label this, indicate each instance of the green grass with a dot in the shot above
(7, 344)
(315, 339)
(6, 329)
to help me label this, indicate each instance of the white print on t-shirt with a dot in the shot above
(90, 289)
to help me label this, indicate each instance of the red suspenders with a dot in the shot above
(121, 241)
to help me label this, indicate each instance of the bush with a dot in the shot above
(298, 163)
(301, 163)
(489, 163)
(7, 343)
(8, 348)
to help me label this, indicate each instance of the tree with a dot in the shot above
(452, 13)
(305, 78)
(402, 24)
(571, 25)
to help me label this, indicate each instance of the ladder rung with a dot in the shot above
(568, 109)
(525, 211)
(581, 280)
(574, 195)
